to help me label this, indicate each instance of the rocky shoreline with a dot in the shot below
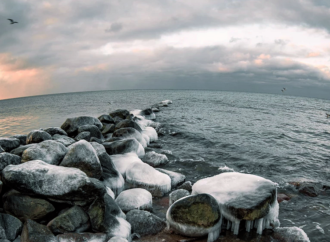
(97, 179)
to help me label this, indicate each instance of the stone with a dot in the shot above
(121, 113)
(8, 159)
(176, 178)
(124, 146)
(71, 125)
(92, 129)
(11, 226)
(18, 239)
(1, 185)
(108, 128)
(8, 144)
(21, 137)
(124, 161)
(117, 119)
(177, 194)
(37, 136)
(82, 237)
(72, 220)
(34, 232)
(128, 133)
(282, 197)
(136, 198)
(63, 139)
(128, 124)
(105, 118)
(186, 185)
(48, 151)
(55, 130)
(52, 181)
(117, 239)
(26, 207)
(288, 234)
(145, 223)
(154, 159)
(83, 156)
(1, 150)
(311, 189)
(19, 150)
(83, 136)
(93, 139)
(155, 110)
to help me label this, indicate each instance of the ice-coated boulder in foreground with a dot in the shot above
(195, 216)
(82, 237)
(136, 198)
(242, 197)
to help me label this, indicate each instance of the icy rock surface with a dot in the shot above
(37, 136)
(32, 231)
(196, 215)
(136, 198)
(290, 234)
(144, 176)
(151, 133)
(177, 194)
(55, 130)
(1, 150)
(83, 136)
(154, 159)
(48, 151)
(8, 144)
(53, 181)
(64, 140)
(83, 156)
(124, 161)
(82, 237)
(10, 225)
(128, 124)
(71, 125)
(176, 178)
(8, 159)
(105, 118)
(129, 133)
(108, 128)
(124, 146)
(242, 197)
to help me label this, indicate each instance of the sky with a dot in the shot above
(230, 45)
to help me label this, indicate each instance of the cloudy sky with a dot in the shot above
(234, 45)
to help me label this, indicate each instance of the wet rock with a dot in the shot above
(121, 113)
(82, 155)
(71, 125)
(94, 131)
(32, 231)
(155, 146)
(55, 130)
(124, 146)
(176, 178)
(10, 225)
(37, 136)
(128, 124)
(108, 128)
(53, 181)
(105, 118)
(18, 239)
(177, 194)
(8, 144)
(145, 223)
(288, 234)
(63, 139)
(19, 150)
(48, 151)
(26, 207)
(21, 137)
(82, 237)
(154, 159)
(8, 159)
(83, 136)
(73, 220)
(186, 185)
(117, 120)
(136, 198)
(129, 133)
(311, 189)
(1, 185)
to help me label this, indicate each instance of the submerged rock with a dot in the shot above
(63, 139)
(55, 130)
(136, 198)
(82, 237)
(126, 124)
(177, 194)
(71, 125)
(92, 129)
(8, 159)
(32, 231)
(129, 133)
(8, 144)
(21, 137)
(124, 146)
(121, 113)
(154, 159)
(176, 178)
(11, 226)
(37, 136)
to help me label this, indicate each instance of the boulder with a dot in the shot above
(52, 181)
(8, 159)
(154, 159)
(129, 133)
(288, 234)
(37, 136)
(10, 226)
(155, 110)
(108, 128)
(1, 185)
(136, 198)
(105, 118)
(124, 146)
(186, 185)
(176, 178)
(21, 137)
(26, 207)
(82, 237)
(63, 139)
(150, 133)
(71, 125)
(123, 161)
(19, 150)
(55, 130)
(1, 150)
(121, 113)
(8, 144)
(48, 151)
(93, 139)
(117, 119)
(73, 220)
(177, 194)
(128, 124)
(145, 223)
(34, 232)
(117, 239)
(83, 136)
(92, 129)
(195, 216)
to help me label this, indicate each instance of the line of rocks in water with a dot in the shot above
(92, 180)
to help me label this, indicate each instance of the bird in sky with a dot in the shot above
(12, 21)
(283, 89)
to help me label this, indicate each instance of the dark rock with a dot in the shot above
(144, 223)
(155, 146)
(8, 159)
(63, 139)
(9, 144)
(56, 182)
(122, 146)
(108, 128)
(18, 239)
(1, 184)
(48, 151)
(129, 133)
(83, 156)
(155, 110)
(37, 136)
(73, 220)
(21, 137)
(130, 117)
(34, 232)
(96, 140)
(128, 124)
(1, 150)
(176, 178)
(19, 150)
(71, 125)
(117, 120)
(55, 130)
(177, 194)
(94, 131)
(311, 189)
(11, 226)
(83, 136)
(147, 111)
(121, 113)
(82, 237)
(25, 207)
(290, 234)
(105, 118)
(186, 185)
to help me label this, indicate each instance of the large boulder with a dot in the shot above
(83, 136)
(82, 237)
(72, 220)
(19, 150)
(129, 133)
(124, 146)
(8, 144)
(92, 129)
(11, 227)
(154, 159)
(34, 232)
(71, 125)
(195, 216)
(21, 137)
(37, 136)
(105, 118)
(176, 178)
(288, 234)
(83, 156)
(55, 130)
(8, 159)
(108, 128)
(48, 151)
(145, 223)
(121, 113)
(63, 139)
(26, 207)
(136, 198)
(52, 181)
(128, 123)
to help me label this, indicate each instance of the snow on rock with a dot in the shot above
(136, 198)
(127, 133)
(63, 139)
(124, 146)
(52, 181)
(166, 102)
(242, 197)
(71, 125)
(124, 161)
(195, 216)
(37, 136)
(176, 178)
(83, 156)
(290, 234)
(49, 151)
(8, 144)
(110, 192)
(154, 159)
(177, 194)
(82, 237)
(142, 175)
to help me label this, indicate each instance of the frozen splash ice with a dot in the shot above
(136, 198)
(124, 161)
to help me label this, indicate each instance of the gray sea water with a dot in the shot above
(279, 137)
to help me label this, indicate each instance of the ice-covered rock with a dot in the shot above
(145, 223)
(55, 130)
(123, 161)
(32, 231)
(121, 113)
(72, 220)
(166, 102)
(21, 137)
(195, 216)
(8, 144)
(37, 136)
(49, 151)
(177, 194)
(176, 178)
(10, 226)
(83, 136)
(142, 175)
(146, 113)
(128, 124)
(105, 118)
(71, 125)
(82, 237)
(154, 159)
(108, 128)
(124, 146)
(83, 156)
(63, 139)
(151, 133)
(129, 133)
(53, 181)
(242, 197)
(92, 129)
(136, 198)
(290, 234)
(117, 239)
(155, 110)
(19, 150)
(8, 159)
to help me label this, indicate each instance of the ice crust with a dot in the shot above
(292, 233)
(122, 230)
(124, 161)
(155, 159)
(136, 198)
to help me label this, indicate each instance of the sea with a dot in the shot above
(282, 138)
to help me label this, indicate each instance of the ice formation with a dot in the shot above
(291, 234)
(123, 229)
(136, 198)
(242, 197)
(124, 161)
(138, 112)
(110, 192)
(154, 159)
(151, 133)
(117, 239)
(166, 102)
